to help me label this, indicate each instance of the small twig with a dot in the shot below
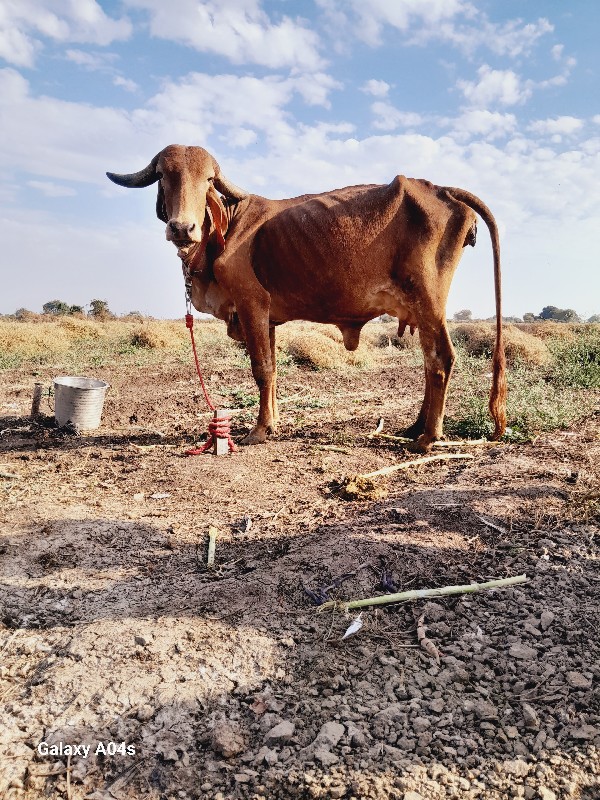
(492, 525)
(9, 476)
(212, 543)
(415, 463)
(426, 643)
(69, 788)
(441, 443)
(333, 448)
(420, 594)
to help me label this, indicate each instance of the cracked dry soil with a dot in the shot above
(226, 682)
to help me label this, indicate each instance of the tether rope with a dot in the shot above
(218, 427)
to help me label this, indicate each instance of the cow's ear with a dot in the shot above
(218, 213)
(161, 209)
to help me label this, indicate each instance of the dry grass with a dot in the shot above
(157, 335)
(552, 330)
(478, 339)
(31, 340)
(322, 347)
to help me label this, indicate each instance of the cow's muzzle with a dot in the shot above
(182, 233)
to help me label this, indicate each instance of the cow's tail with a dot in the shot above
(497, 404)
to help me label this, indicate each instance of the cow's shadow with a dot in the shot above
(124, 624)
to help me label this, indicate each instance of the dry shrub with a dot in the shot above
(79, 328)
(31, 340)
(385, 334)
(393, 340)
(361, 357)
(315, 350)
(552, 330)
(321, 346)
(332, 332)
(157, 335)
(478, 339)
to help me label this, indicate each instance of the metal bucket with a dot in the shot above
(79, 401)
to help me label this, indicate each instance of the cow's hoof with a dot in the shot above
(423, 444)
(257, 435)
(254, 438)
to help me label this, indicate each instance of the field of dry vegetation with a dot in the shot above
(223, 683)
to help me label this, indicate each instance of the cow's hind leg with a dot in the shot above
(418, 427)
(274, 405)
(439, 358)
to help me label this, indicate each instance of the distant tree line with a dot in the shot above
(98, 309)
(548, 313)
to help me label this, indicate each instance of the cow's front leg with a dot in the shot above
(258, 342)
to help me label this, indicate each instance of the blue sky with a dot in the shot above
(500, 97)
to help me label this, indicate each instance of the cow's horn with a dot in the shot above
(137, 180)
(229, 189)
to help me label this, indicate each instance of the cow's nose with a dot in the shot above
(182, 228)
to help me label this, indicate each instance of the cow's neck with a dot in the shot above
(195, 259)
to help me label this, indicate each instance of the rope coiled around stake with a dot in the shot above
(218, 427)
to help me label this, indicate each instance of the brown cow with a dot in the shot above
(341, 257)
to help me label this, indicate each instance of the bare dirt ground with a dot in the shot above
(226, 683)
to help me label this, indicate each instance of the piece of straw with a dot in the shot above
(420, 594)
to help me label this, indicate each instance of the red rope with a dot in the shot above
(218, 427)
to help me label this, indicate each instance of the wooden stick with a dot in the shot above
(420, 594)
(415, 463)
(492, 525)
(35, 403)
(440, 443)
(69, 787)
(333, 447)
(212, 543)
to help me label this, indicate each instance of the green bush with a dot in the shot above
(577, 363)
(534, 404)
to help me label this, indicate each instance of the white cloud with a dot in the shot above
(50, 189)
(101, 62)
(240, 30)
(228, 100)
(513, 38)
(63, 140)
(239, 137)
(388, 118)
(478, 122)
(558, 126)
(495, 86)
(91, 61)
(16, 47)
(458, 22)
(23, 22)
(125, 83)
(370, 19)
(315, 88)
(376, 88)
